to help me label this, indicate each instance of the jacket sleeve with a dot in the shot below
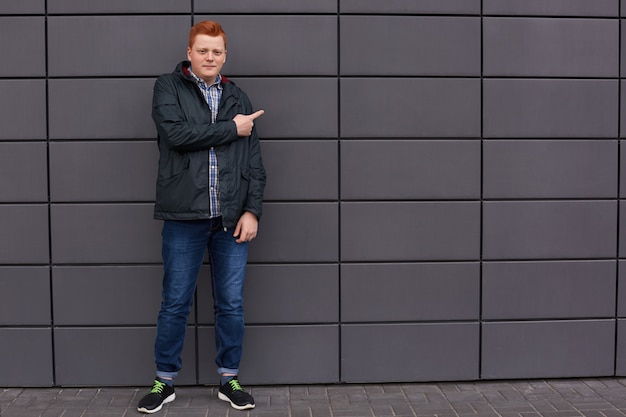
(254, 202)
(180, 131)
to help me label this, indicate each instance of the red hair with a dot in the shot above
(206, 27)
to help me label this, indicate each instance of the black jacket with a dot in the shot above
(185, 135)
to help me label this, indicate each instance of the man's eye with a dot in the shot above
(217, 53)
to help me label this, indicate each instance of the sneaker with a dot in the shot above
(160, 394)
(235, 395)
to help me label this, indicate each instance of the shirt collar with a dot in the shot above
(200, 81)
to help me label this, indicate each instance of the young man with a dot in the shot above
(209, 193)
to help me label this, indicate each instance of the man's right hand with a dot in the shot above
(245, 123)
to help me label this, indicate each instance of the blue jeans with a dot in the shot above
(184, 245)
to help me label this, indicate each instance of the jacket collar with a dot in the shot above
(183, 69)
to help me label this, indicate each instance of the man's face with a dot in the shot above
(207, 57)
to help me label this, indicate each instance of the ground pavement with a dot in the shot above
(598, 397)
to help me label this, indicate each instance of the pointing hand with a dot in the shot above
(245, 123)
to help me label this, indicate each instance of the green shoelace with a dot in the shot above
(234, 384)
(158, 387)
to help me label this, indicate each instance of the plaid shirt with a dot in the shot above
(212, 94)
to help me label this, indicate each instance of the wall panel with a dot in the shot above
(622, 115)
(392, 169)
(30, 52)
(117, 6)
(100, 287)
(277, 241)
(266, 6)
(23, 7)
(27, 226)
(621, 348)
(422, 46)
(25, 296)
(409, 292)
(408, 6)
(548, 349)
(23, 172)
(104, 233)
(301, 170)
(30, 353)
(549, 229)
(407, 231)
(81, 172)
(607, 8)
(557, 290)
(550, 47)
(273, 355)
(542, 108)
(122, 110)
(415, 107)
(622, 230)
(23, 104)
(621, 289)
(117, 54)
(522, 169)
(378, 353)
(444, 195)
(112, 356)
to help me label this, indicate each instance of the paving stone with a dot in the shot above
(464, 408)
(565, 413)
(321, 411)
(561, 405)
(464, 396)
(611, 413)
(592, 413)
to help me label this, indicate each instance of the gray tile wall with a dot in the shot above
(444, 198)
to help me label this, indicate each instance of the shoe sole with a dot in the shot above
(165, 401)
(232, 404)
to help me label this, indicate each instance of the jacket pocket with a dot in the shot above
(172, 186)
(174, 165)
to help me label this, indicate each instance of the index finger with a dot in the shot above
(257, 113)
